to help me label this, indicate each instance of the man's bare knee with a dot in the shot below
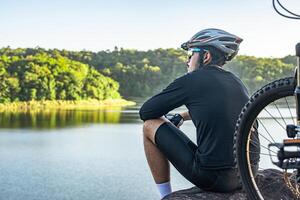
(153, 124)
(150, 127)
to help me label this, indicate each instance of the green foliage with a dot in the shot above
(37, 74)
(256, 72)
(143, 73)
(289, 60)
(139, 73)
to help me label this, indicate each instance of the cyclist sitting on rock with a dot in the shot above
(214, 98)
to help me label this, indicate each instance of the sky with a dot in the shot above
(100, 25)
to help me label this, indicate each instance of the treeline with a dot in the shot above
(257, 72)
(143, 73)
(36, 74)
(140, 73)
(78, 74)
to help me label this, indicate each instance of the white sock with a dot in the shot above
(164, 189)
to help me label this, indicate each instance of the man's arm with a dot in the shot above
(171, 97)
(186, 116)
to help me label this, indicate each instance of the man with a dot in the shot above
(214, 98)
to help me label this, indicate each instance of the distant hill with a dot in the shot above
(62, 74)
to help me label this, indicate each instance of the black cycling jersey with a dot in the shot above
(214, 98)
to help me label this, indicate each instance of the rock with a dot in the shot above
(270, 180)
(195, 193)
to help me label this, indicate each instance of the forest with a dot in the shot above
(36, 74)
(52, 74)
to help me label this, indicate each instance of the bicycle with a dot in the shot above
(267, 132)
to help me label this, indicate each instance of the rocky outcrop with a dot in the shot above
(270, 181)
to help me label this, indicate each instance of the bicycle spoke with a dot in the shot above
(253, 142)
(275, 172)
(260, 168)
(279, 113)
(265, 137)
(274, 118)
(264, 154)
(266, 130)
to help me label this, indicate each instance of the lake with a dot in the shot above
(78, 155)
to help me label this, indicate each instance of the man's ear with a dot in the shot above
(207, 57)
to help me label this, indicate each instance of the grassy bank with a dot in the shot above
(91, 104)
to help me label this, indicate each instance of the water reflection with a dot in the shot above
(50, 119)
(57, 118)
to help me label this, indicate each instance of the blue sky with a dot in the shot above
(99, 25)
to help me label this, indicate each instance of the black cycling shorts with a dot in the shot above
(180, 151)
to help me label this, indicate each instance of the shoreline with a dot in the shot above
(91, 104)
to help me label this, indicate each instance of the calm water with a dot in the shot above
(77, 155)
(80, 155)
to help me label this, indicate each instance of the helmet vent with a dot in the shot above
(227, 39)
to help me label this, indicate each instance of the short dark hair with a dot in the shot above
(218, 57)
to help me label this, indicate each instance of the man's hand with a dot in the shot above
(176, 119)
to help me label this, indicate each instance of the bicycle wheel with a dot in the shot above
(265, 117)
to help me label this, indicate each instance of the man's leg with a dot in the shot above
(157, 162)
